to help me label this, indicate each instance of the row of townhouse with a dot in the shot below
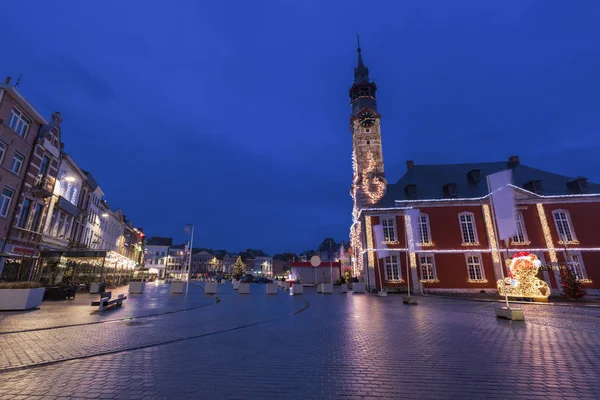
(164, 259)
(458, 250)
(50, 207)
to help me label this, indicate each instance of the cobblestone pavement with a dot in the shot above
(341, 347)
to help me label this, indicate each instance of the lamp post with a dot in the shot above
(191, 228)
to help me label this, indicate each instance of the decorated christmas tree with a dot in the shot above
(239, 268)
(571, 286)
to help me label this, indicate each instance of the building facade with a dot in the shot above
(156, 255)
(20, 124)
(457, 249)
(63, 210)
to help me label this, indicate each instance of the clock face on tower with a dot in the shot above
(366, 118)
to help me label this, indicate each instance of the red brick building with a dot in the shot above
(458, 252)
(29, 154)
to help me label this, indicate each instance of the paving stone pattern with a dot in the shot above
(341, 347)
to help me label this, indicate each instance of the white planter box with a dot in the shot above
(297, 289)
(344, 287)
(210, 288)
(358, 287)
(271, 288)
(95, 287)
(177, 287)
(236, 285)
(326, 288)
(285, 285)
(21, 299)
(137, 287)
(514, 314)
(244, 288)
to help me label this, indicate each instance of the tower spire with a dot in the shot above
(361, 72)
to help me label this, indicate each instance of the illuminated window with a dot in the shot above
(24, 214)
(2, 151)
(564, 226)
(7, 195)
(474, 267)
(18, 122)
(392, 267)
(467, 228)
(427, 264)
(424, 230)
(389, 229)
(521, 236)
(17, 163)
(576, 265)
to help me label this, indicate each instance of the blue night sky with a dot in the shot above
(233, 115)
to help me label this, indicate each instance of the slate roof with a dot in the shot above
(431, 179)
(159, 241)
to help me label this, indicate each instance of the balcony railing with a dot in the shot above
(43, 186)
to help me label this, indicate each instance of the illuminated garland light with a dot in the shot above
(527, 243)
(430, 281)
(523, 281)
(471, 244)
(568, 242)
(477, 281)
(369, 230)
(373, 180)
(487, 216)
(547, 234)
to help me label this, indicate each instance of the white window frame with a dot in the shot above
(430, 277)
(424, 227)
(22, 161)
(15, 117)
(569, 225)
(3, 149)
(8, 201)
(468, 242)
(390, 262)
(470, 261)
(575, 263)
(521, 231)
(389, 229)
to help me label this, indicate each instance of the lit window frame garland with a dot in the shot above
(477, 281)
(489, 226)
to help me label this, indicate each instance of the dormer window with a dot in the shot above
(474, 175)
(411, 190)
(533, 186)
(450, 190)
(578, 185)
(368, 142)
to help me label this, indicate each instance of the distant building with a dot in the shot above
(309, 275)
(156, 254)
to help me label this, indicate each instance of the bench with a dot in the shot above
(106, 302)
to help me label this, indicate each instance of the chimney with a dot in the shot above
(7, 80)
(513, 161)
(410, 164)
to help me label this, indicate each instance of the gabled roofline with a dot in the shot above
(13, 90)
(467, 199)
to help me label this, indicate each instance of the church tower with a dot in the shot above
(369, 184)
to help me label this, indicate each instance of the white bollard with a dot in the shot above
(320, 288)
(210, 288)
(326, 288)
(358, 287)
(297, 288)
(95, 287)
(236, 285)
(177, 287)
(271, 288)
(285, 285)
(243, 288)
(137, 287)
(344, 288)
